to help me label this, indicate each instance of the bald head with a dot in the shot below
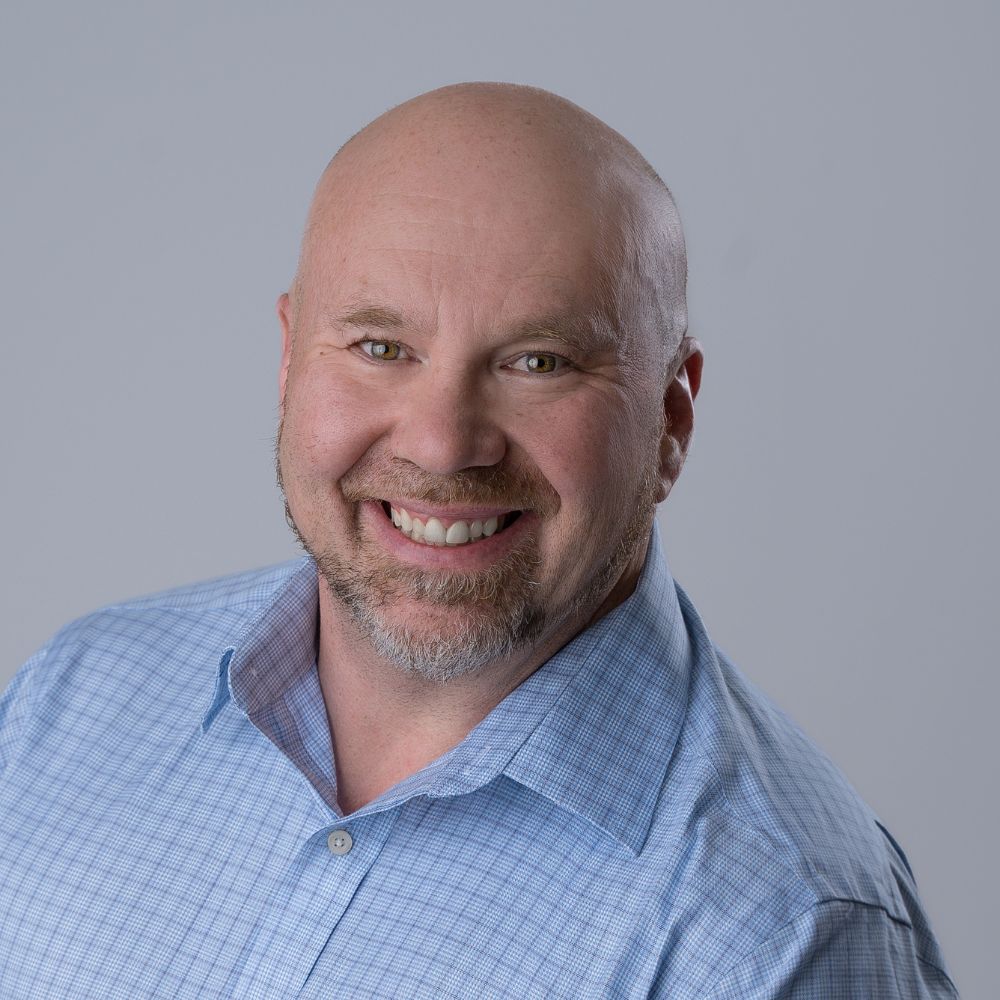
(504, 115)
(491, 150)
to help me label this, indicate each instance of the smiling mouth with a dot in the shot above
(447, 531)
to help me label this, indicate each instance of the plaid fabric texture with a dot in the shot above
(634, 820)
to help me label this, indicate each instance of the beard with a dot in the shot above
(467, 620)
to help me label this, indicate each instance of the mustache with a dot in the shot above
(516, 488)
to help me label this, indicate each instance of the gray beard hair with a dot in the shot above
(510, 622)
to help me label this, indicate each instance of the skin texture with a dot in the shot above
(521, 270)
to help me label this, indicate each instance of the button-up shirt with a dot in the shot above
(635, 819)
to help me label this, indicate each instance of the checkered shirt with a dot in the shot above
(634, 820)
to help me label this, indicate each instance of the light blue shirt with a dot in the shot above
(634, 820)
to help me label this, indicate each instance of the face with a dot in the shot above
(470, 445)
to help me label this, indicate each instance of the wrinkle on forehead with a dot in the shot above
(476, 152)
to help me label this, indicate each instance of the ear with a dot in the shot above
(285, 317)
(683, 383)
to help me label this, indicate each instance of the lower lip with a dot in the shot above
(468, 556)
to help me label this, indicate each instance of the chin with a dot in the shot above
(451, 643)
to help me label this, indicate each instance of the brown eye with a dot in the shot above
(540, 364)
(382, 350)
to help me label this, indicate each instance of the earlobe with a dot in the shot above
(678, 413)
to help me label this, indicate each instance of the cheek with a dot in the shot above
(591, 457)
(325, 431)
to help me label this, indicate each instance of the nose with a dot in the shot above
(446, 423)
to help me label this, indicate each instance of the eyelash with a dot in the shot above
(367, 346)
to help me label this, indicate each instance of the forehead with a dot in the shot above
(524, 245)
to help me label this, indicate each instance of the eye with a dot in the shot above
(539, 364)
(383, 350)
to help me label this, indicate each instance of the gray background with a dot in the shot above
(835, 165)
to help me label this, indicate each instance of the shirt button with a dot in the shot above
(339, 842)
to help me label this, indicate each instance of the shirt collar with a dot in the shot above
(592, 730)
(603, 747)
(274, 647)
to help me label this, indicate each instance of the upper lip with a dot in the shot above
(452, 513)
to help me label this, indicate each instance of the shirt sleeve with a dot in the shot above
(837, 950)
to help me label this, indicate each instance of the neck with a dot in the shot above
(386, 724)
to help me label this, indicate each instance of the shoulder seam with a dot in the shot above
(869, 905)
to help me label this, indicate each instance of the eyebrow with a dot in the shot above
(372, 317)
(578, 332)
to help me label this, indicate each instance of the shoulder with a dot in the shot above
(235, 592)
(200, 611)
(776, 840)
(774, 783)
(162, 648)
(759, 773)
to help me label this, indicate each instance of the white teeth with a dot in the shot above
(457, 534)
(433, 531)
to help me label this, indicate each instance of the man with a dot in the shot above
(477, 744)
